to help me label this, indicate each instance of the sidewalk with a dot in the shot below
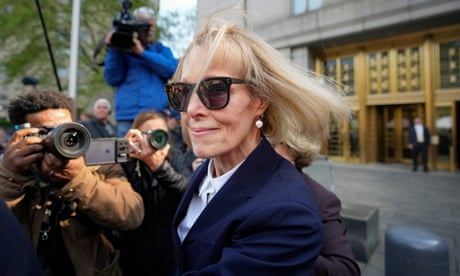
(430, 201)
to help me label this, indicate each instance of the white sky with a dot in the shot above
(178, 47)
(177, 4)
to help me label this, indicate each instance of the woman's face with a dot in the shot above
(229, 135)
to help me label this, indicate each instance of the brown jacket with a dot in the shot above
(101, 193)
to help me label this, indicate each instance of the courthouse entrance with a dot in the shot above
(393, 123)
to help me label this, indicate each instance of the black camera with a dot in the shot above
(67, 141)
(157, 138)
(107, 151)
(126, 28)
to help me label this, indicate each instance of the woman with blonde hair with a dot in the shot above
(246, 209)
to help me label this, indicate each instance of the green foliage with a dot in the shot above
(24, 46)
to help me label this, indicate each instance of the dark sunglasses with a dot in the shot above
(214, 92)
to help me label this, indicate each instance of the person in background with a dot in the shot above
(100, 126)
(336, 256)
(139, 76)
(63, 205)
(149, 250)
(419, 142)
(85, 116)
(182, 157)
(247, 209)
(17, 256)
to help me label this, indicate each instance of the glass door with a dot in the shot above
(397, 120)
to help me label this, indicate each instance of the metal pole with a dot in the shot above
(73, 67)
(48, 44)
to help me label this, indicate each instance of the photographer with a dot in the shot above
(148, 250)
(64, 206)
(140, 73)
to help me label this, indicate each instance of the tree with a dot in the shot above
(24, 47)
(181, 27)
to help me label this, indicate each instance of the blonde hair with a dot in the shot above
(302, 104)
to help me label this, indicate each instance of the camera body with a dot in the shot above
(72, 140)
(107, 151)
(126, 28)
(67, 141)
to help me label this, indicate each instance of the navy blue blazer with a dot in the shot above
(17, 256)
(412, 136)
(264, 221)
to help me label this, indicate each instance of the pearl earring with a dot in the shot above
(259, 123)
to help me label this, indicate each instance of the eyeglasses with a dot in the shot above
(214, 92)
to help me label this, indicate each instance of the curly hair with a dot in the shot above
(36, 101)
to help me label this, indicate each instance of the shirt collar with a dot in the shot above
(212, 185)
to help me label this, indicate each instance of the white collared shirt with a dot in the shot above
(208, 189)
(419, 133)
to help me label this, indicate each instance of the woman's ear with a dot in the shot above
(262, 107)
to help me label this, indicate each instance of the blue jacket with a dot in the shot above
(139, 80)
(263, 221)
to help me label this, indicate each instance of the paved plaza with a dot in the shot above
(430, 201)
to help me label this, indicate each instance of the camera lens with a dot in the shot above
(69, 140)
(158, 138)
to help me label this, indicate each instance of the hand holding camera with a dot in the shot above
(23, 151)
(151, 146)
(127, 31)
(55, 153)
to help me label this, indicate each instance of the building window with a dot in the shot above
(444, 132)
(344, 75)
(335, 141)
(354, 135)
(303, 6)
(379, 73)
(408, 70)
(450, 64)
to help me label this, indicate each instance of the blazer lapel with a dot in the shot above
(242, 185)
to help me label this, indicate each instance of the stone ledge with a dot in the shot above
(362, 224)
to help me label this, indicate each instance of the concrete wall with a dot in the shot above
(337, 20)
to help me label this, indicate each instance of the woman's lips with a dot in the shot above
(202, 131)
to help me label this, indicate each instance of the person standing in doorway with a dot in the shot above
(419, 141)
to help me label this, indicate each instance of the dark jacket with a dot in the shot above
(336, 257)
(17, 256)
(263, 221)
(103, 199)
(98, 130)
(413, 136)
(148, 250)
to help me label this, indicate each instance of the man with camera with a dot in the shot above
(138, 66)
(64, 206)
